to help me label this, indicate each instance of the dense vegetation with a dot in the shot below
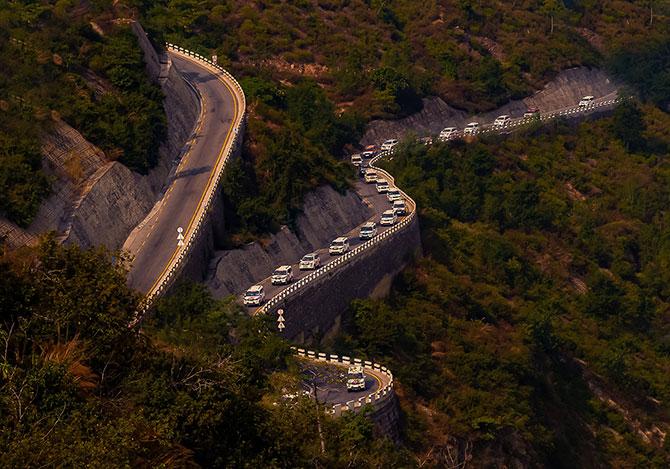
(543, 293)
(55, 62)
(78, 388)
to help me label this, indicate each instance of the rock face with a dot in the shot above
(564, 91)
(97, 201)
(326, 214)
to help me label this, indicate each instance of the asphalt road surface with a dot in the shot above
(378, 202)
(330, 380)
(154, 242)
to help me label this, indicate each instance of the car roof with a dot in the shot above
(382, 181)
(504, 116)
(388, 212)
(355, 369)
(448, 128)
(255, 288)
(313, 254)
(341, 239)
(473, 123)
(369, 224)
(394, 189)
(587, 97)
(283, 267)
(398, 202)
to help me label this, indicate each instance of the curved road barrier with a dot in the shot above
(191, 232)
(377, 399)
(344, 259)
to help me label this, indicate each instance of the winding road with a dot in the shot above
(153, 243)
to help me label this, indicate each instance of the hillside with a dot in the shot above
(72, 63)
(535, 331)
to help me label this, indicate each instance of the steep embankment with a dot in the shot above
(565, 90)
(326, 215)
(98, 201)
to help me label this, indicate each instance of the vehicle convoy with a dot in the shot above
(254, 296)
(586, 101)
(282, 275)
(339, 246)
(310, 261)
(389, 144)
(393, 194)
(355, 378)
(448, 133)
(370, 176)
(399, 207)
(388, 218)
(471, 129)
(356, 159)
(382, 186)
(501, 121)
(368, 231)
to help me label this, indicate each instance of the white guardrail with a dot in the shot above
(348, 256)
(564, 112)
(376, 398)
(190, 237)
(382, 237)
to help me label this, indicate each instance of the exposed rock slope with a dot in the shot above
(565, 90)
(97, 201)
(326, 214)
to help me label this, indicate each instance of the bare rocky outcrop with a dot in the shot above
(564, 91)
(326, 215)
(98, 201)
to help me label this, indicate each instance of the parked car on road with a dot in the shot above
(310, 261)
(339, 245)
(389, 144)
(282, 275)
(586, 101)
(448, 133)
(471, 129)
(382, 186)
(399, 207)
(254, 296)
(393, 194)
(368, 231)
(369, 151)
(355, 378)
(532, 112)
(356, 159)
(370, 176)
(501, 121)
(388, 218)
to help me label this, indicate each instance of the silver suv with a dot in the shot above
(282, 275)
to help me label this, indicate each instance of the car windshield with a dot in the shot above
(356, 375)
(338, 243)
(280, 272)
(308, 257)
(252, 294)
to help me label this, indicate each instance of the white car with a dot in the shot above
(399, 207)
(382, 186)
(339, 246)
(586, 101)
(501, 121)
(282, 275)
(356, 159)
(471, 129)
(393, 194)
(254, 296)
(388, 218)
(368, 231)
(310, 261)
(389, 144)
(369, 151)
(355, 378)
(370, 176)
(448, 133)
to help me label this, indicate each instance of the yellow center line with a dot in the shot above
(212, 175)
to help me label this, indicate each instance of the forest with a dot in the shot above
(542, 295)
